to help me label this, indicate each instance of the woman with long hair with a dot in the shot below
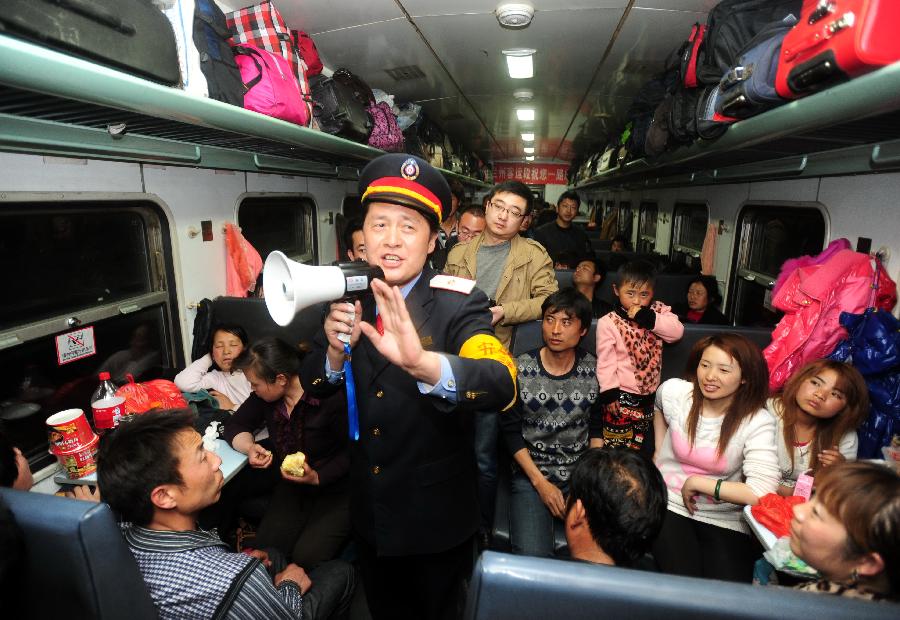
(715, 447)
(817, 414)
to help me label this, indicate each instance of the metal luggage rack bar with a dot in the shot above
(844, 129)
(54, 103)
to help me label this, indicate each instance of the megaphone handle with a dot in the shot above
(345, 338)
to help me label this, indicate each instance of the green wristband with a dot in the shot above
(718, 487)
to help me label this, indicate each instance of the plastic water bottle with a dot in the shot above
(105, 405)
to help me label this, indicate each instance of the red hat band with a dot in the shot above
(398, 185)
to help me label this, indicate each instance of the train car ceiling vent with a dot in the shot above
(523, 95)
(410, 72)
(514, 15)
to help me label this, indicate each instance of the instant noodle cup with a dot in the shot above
(69, 430)
(81, 461)
(107, 412)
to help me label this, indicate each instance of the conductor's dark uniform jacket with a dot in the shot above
(413, 470)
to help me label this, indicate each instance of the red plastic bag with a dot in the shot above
(156, 394)
(775, 512)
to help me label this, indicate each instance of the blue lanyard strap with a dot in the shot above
(352, 411)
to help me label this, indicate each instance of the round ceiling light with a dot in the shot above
(523, 95)
(514, 15)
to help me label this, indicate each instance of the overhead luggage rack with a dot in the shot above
(851, 128)
(53, 103)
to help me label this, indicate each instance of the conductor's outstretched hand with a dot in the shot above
(400, 343)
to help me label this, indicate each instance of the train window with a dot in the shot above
(624, 220)
(62, 260)
(688, 232)
(81, 274)
(285, 224)
(768, 237)
(647, 227)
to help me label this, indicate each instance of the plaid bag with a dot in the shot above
(263, 26)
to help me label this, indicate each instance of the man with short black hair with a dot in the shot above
(589, 274)
(561, 235)
(552, 424)
(515, 273)
(354, 243)
(517, 276)
(156, 473)
(615, 509)
(424, 360)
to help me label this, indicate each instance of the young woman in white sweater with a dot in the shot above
(817, 414)
(715, 447)
(214, 372)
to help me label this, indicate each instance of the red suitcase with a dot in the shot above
(835, 40)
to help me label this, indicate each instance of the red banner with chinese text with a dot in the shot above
(531, 174)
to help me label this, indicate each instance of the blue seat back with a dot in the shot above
(508, 587)
(564, 277)
(77, 564)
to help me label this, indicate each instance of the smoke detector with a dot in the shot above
(514, 15)
(523, 95)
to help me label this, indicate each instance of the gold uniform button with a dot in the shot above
(376, 470)
(379, 394)
(376, 432)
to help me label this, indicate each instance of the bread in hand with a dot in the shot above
(294, 464)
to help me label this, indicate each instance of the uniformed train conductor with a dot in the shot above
(423, 366)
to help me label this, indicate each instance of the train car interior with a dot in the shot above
(125, 195)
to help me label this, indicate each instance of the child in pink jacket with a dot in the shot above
(629, 358)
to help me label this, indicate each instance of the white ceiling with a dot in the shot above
(466, 89)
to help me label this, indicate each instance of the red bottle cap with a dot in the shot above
(104, 376)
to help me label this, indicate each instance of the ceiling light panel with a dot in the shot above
(527, 137)
(525, 114)
(529, 150)
(519, 63)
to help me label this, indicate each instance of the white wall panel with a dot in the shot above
(866, 206)
(276, 183)
(792, 190)
(193, 195)
(37, 173)
(328, 195)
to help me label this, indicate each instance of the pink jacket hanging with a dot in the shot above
(791, 264)
(812, 298)
(243, 263)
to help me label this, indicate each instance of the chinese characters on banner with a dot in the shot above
(532, 174)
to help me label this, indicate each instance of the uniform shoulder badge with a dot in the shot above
(453, 283)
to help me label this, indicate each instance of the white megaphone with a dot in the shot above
(290, 286)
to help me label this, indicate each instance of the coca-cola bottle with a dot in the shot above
(107, 407)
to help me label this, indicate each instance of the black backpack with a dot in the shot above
(211, 34)
(691, 115)
(730, 26)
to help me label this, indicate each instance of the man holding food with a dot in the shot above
(425, 360)
(156, 473)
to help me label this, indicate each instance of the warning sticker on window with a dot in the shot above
(75, 345)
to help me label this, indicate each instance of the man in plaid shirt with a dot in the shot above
(156, 473)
